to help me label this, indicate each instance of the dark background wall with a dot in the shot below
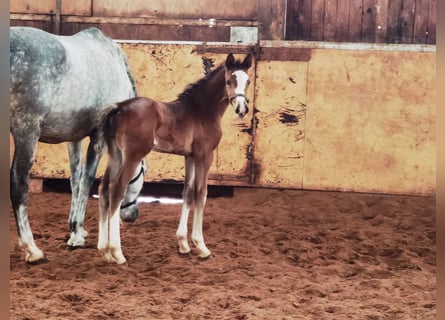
(369, 21)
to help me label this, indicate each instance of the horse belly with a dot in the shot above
(172, 146)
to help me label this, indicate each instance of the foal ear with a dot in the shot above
(230, 61)
(247, 61)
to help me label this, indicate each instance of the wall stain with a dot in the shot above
(287, 118)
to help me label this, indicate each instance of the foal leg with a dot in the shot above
(116, 191)
(187, 197)
(87, 176)
(202, 167)
(24, 153)
(102, 243)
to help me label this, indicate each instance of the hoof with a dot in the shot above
(112, 259)
(129, 215)
(185, 254)
(42, 260)
(72, 248)
(205, 257)
(76, 240)
(34, 256)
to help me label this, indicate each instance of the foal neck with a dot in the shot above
(208, 95)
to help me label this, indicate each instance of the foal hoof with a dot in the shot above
(205, 257)
(185, 254)
(42, 260)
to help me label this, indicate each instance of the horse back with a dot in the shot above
(65, 80)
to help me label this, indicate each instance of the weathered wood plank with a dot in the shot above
(298, 20)
(46, 25)
(163, 21)
(330, 20)
(369, 21)
(407, 21)
(431, 37)
(421, 21)
(153, 32)
(205, 9)
(355, 20)
(394, 31)
(285, 54)
(317, 21)
(381, 21)
(78, 7)
(342, 20)
(271, 17)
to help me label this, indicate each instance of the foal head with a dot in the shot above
(237, 81)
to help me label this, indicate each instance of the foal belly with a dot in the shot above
(172, 147)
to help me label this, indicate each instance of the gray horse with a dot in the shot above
(58, 85)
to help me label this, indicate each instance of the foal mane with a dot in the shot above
(186, 96)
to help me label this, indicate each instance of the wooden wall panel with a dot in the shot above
(326, 119)
(271, 17)
(153, 32)
(431, 36)
(343, 20)
(370, 122)
(330, 20)
(78, 7)
(298, 20)
(205, 9)
(317, 20)
(369, 27)
(407, 20)
(421, 21)
(279, 139)
(373, 21)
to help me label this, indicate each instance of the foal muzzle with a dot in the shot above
(241, 104)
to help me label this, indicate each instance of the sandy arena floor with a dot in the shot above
(275, 255)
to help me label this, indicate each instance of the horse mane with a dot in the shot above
(186, 96)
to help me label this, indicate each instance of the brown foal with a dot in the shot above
(188, 126)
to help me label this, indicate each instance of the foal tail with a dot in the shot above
(106, 126)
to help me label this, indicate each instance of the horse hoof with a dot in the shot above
(72, 248)
(129, 216)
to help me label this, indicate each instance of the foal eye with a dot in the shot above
(229, 82)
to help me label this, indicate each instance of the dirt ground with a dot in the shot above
(285, 254)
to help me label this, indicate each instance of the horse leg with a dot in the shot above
(202, 167)
(129, 207)
(87, 176)
(116, 191)
(75, 155)
(24, 154)
(187, 197)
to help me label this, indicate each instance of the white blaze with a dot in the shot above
(241, 81)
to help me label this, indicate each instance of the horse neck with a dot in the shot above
(211, 98)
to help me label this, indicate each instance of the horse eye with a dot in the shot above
(228, 82)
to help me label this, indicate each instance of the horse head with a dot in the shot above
(237, 81)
